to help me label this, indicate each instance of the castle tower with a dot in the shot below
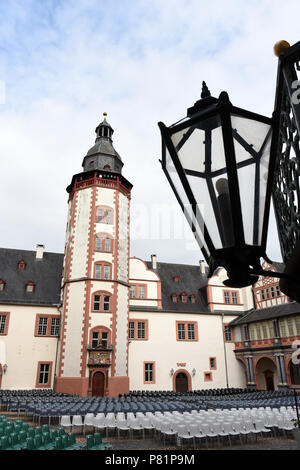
(93, 357)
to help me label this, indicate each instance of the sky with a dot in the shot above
(64, 63)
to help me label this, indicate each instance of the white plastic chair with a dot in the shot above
(65, 421)
(183, 434)
(122, 425)
(77, 422)
(88, 421)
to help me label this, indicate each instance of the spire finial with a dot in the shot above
(205, 91)
(104, 114)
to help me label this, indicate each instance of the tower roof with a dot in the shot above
(103, 154)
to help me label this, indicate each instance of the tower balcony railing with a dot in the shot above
(103, 182)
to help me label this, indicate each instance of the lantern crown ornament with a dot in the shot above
(218, 163)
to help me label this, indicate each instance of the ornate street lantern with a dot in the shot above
(218, 163)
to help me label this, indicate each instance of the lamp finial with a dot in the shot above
(205, 91)
(280, 47)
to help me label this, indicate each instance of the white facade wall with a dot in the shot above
(163, 349)
(21, 350)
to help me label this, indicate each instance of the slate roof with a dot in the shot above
(268, 313)
(45, 274)
(191, 281)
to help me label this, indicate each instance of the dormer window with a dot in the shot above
(184, 298)
(29, 287)
(193, 299)
(174, 298)
(176, 279)
(2, 285)
(21, 264)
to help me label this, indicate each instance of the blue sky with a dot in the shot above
(64, 63)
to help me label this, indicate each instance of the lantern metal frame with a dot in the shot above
(241, 260)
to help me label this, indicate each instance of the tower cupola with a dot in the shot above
(103, 156)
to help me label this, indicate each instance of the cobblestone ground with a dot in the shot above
(155, 442)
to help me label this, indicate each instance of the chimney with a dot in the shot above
(154, 261)
(39, 251)
(202, 266)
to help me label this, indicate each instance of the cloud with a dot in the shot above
(64, 63)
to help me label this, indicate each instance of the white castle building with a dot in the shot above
(95, 321)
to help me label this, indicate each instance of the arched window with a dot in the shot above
(102, 270)
(100, 335)
(101, 301)
(104, 242)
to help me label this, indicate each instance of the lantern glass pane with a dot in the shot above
(252, 140)
(200, 149)
(193, 220)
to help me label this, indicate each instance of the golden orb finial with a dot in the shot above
(104, 114)
(280, 47)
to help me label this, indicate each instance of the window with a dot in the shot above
(141, 292)
(104, 339)
(44, 374)
(278, 293)
(207, 377)
(212, 363)
(29, 287)
(263, 294)
(132, 291)
(193, 299)
(138, 291)
(106, 303)
(107, 245)
(95, 339)
(104, 215)
(297, 321)
(42, 328)
(21, 265)
(54, 330)
(149, 372)
(231, 297)
(4, 317)
(138, 329)
(101, 302)
(227, 297)
(267, 293)
(2, 285)
(264, 330)
(184, 298)
(97, 299)
(174, 298)
(47, 325)
(282, 328)
(245, 333)
(176, 279)
(131, 330)
(234, 297)
(186, 331)
(103, 242)
(227, 333)
(272, 291)
(290, 327)
(102, 271)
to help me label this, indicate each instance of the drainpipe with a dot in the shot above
(225, 355)
(58, 306)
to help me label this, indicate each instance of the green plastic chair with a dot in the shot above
(47, 444)
(31, 432)
(46, 428)
(22, 439)
(53, 434)
(8, 430)
(58, 443)
(61, 431)
(65, 442)
(30, 444)
(90, 442)
(38, 442)
(4, 443)
(25, 426)
(38, 431)
(19, 422)
(14, 441)
(98, 442)
(18, 428)
(1, 431)
(73, 445)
